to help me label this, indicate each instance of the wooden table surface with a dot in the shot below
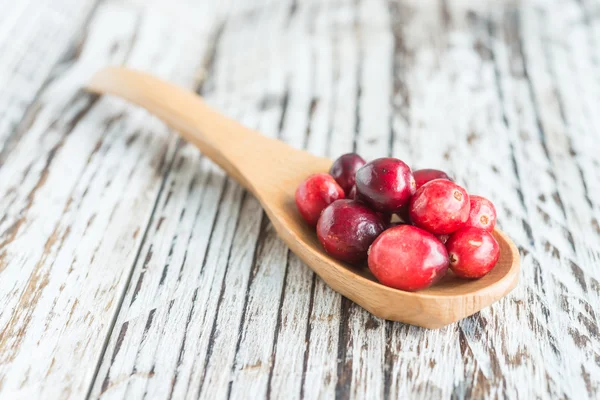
(131, 266)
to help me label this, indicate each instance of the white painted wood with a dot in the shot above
(363, 346)
(215, 374)
(71, 231)
(418, 361)
(555, 106)
(289, 344)
(33, 37)
(252, 371)
(322, 335)
(106, 216)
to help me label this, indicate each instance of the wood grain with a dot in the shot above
(502, 96)
(32, 41)
(66, 251)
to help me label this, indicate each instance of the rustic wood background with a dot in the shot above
(130, 266)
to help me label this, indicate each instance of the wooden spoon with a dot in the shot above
(272, 170)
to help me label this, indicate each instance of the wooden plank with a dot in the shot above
(77, 191)
(319, 374)
(33, 37)
(221, 361)
(523, 121)
(227, 250)
(417, 361)
(450, 74)
(268, 315)
(579, 178)
(558, 110)
(487, 132)
(362, 336)
(289, 344)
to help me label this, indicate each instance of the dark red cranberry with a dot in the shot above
(407, 258)
(344, 170)
(385, 184)
(473, 252)
(440, 207)
(482, 214)
(387, 218)
(422, 176)
(347, 228)
(316, 193)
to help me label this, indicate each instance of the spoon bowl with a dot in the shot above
(272, 170)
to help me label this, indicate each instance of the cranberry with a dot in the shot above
(385, 184)
(440, 207)
(385, 217)
(473, 252)
(347, 228)
(422, 176)
(316, 193)
(482, 214)
(407, 258)
(344, 170)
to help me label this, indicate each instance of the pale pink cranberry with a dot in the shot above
(422, 176)
(385, 184)
(347, 228)
(482, 214)
(473, 252)
(344, 170)
(440, 207)
(407, 258)
(316, 193)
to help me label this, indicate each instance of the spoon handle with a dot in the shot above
(240, 151)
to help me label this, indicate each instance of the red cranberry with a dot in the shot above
(482, 214)
(344, 170)
(316, 193)
(440, 207)
(473, 252)
(385, 184)
(407, 258)
(347, 228)
(422, 176)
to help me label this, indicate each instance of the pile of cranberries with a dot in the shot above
(441, 225)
